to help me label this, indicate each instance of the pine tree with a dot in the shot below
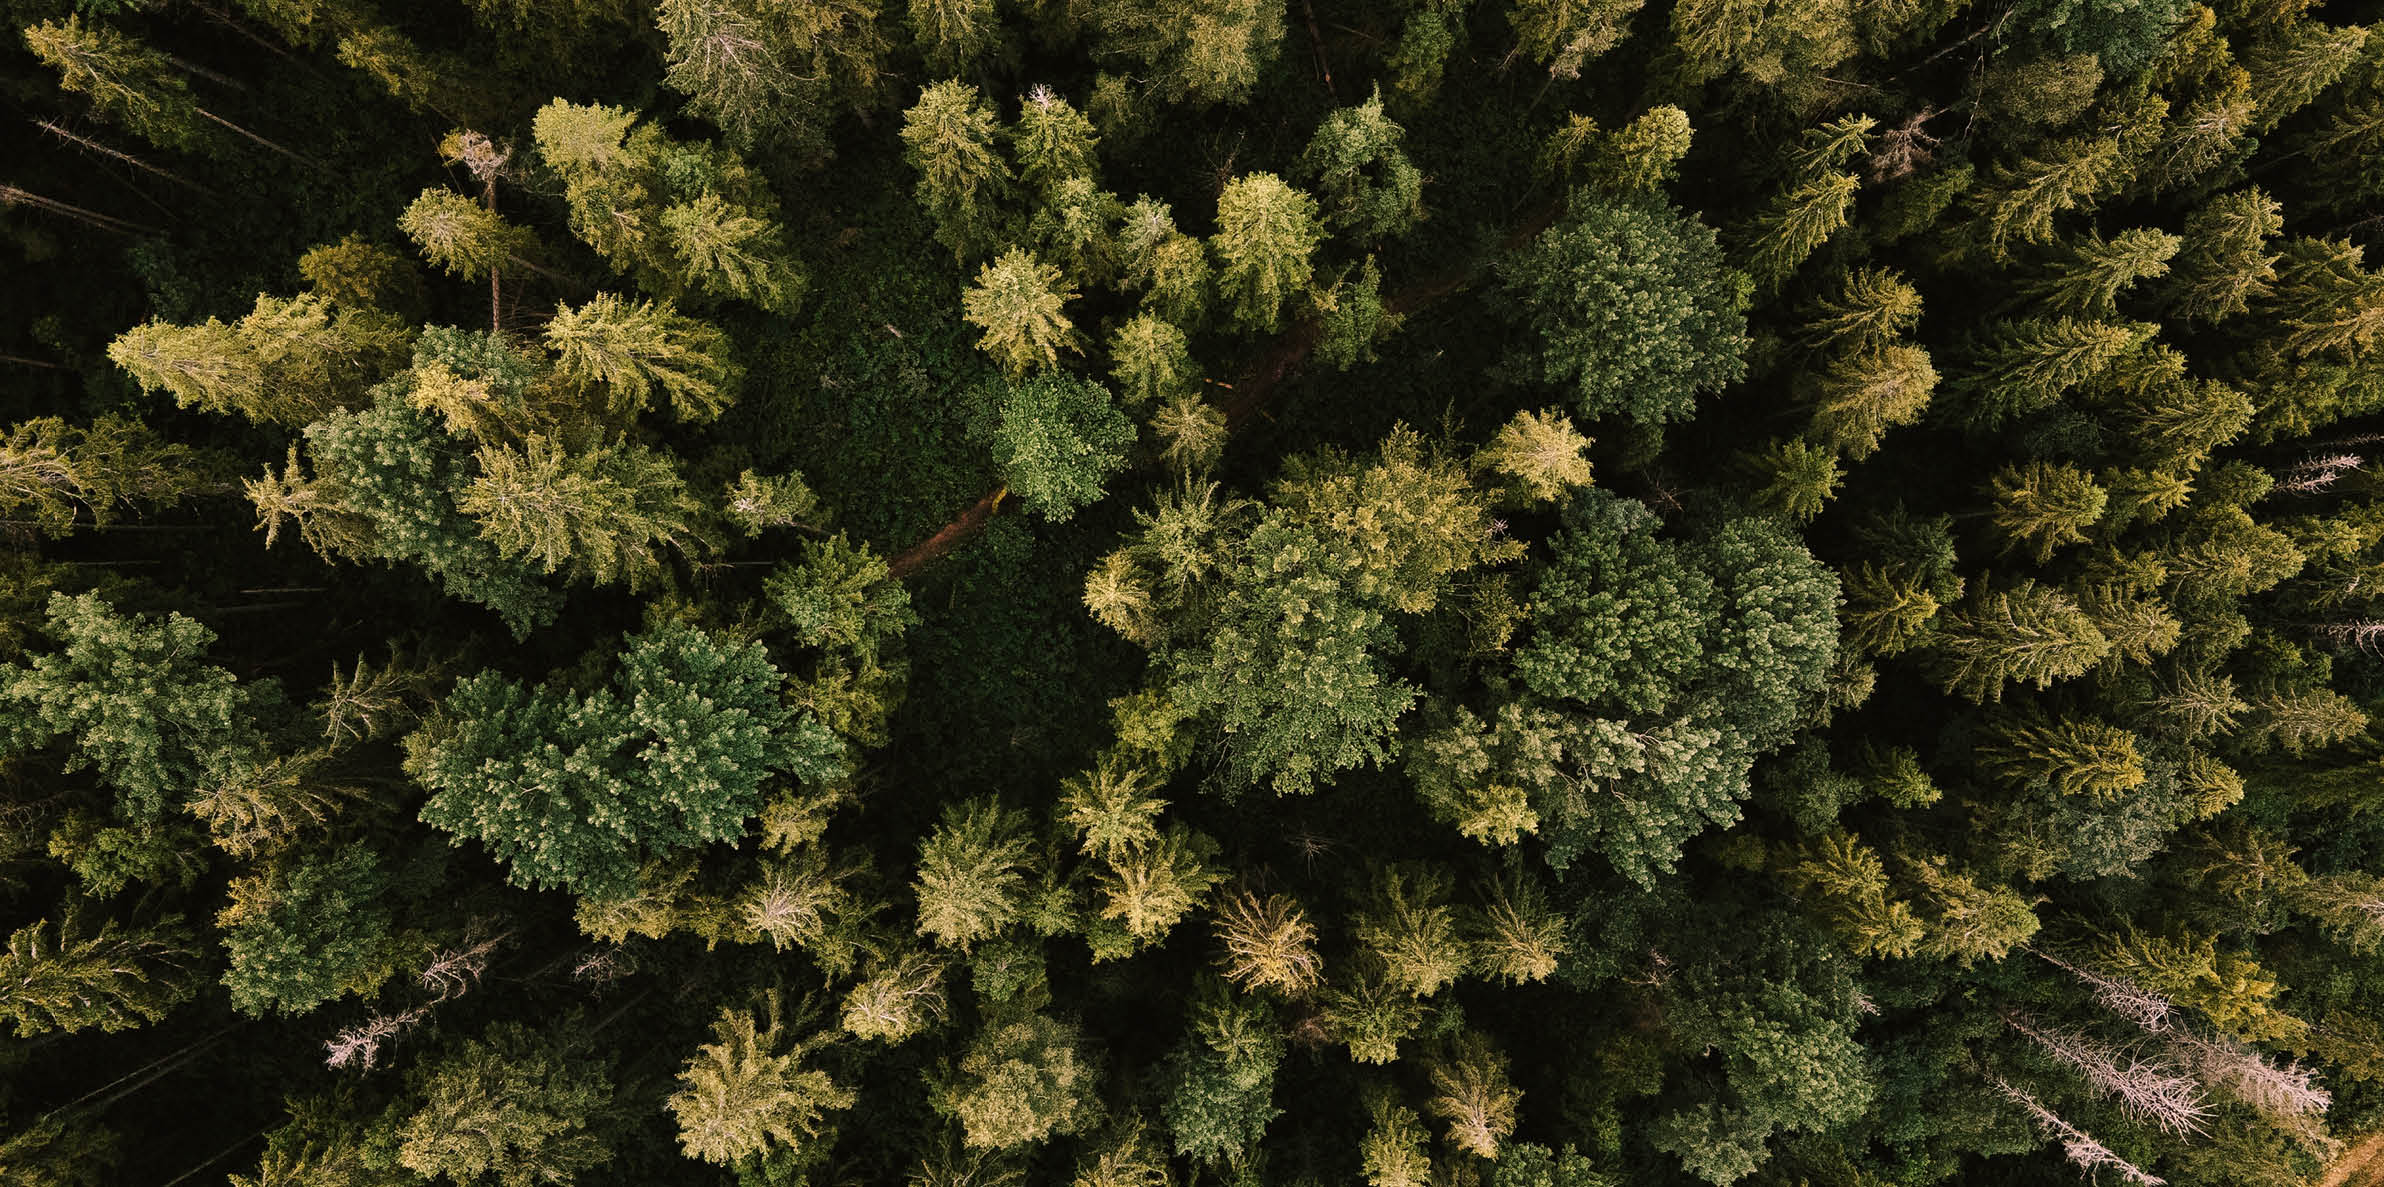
(1474, 1097)
(1268, 943)
(507, 1105)
(964, 184)
(1147, 890)
(53, 979)
(632, 348)
(603, 514)
(308, 930)
(463, 237)
(1363, 179)
(2010, 634)
(575, 787)
(1018, 302)
(1266, 233)
(1569, 34)
(1168, 267)
(1631, 305)
(1642, 155)
(773, 73)
(677, 217)
(2040, 508)
(898, 997)
(128, 82)
(55, 474)
(1795, 224)
(2087, 283)
(971, 874)
(1021, 1081)
(2225, 265)
(747, 1093)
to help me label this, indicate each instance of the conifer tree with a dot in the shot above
(747, 1092)
(1150, 361)
(2224, 264)
(964, 184)
(2029, 364)
(1052, 141)
(1268, 943)
(1220, 1080)
(1411, 929)
(970, 881)
(463, 237)
(1630, 305)
(57, 980)
(1473, 1096)
(134, 698)
(1863, 395)
(506, 1106)
(2020, 200)
(2021, 632)
(574, 787)
(632, 348)
(288, 361)
(1364, 181)
(603, 514)
(309, 930)
(61, 476)
(128, 82)
(1538, 454)
(1795, 224)
(2088, 282)
(2040, 508)
(1018, 302)
(1569, 34)
(1205, 51)
(954, 34)
(1168, 267)
(2301, 59)
(1266, 233)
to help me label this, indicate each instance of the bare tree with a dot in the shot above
(2084, 1152)
(2151, 1090)
(2144, 1007)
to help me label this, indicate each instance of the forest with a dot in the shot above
(1191, 593)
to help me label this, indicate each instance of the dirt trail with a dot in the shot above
(2360, 1166)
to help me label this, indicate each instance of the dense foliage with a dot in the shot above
(1526, 593)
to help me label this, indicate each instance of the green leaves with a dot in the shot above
(1629, 305)
(1058, 439)
(574, 788)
